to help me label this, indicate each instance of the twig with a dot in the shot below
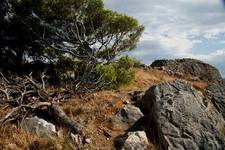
(4, 77)
(6, 93)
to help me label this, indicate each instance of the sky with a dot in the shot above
(178, 29)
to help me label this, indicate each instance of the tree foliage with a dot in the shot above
(50, 29)
(70, 34)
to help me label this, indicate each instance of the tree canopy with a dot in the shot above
(70, 35)
(52, 29)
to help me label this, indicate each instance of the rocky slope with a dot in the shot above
(174, 104)
(190, 68)
(183, 117)
(197, 70)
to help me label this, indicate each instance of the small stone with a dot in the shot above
(34, 98)
(11, 146)
(88, 141)
(126, 102)
(60, 134)
(133, 141)
(126, 117)
(129, 114)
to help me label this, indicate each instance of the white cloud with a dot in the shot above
(216, 55)
(222, 42)
(214, 31)
(174, 27)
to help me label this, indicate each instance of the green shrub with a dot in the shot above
(125, 76)
(109, 74)
(117, 73)
(124, 62)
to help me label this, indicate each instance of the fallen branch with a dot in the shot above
(61, 118)
(26, 97)
(9, 116)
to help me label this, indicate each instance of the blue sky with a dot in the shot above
(178, 29)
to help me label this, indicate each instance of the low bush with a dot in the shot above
(117, 73)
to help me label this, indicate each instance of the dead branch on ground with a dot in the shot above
(25, 96)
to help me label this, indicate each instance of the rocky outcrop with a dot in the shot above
(182, 119)
(216, 93)
(133, 141)
(136, 95)
(198, 70)
(189, 67)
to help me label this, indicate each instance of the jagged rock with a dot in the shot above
(181, 120)
(136, 95)
(126, 117)
(216, 92)
(39, 126)
(189, 67)
(133, 141)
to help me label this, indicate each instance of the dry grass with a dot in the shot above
(145, 79)
(92, 111)
(14, 138)
(199, 85)
(223, 131)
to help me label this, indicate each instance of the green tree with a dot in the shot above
(50, 29)
(74, 36)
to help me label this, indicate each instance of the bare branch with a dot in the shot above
(20, 98)
(42, 80)
(4, 77)
(9, 116)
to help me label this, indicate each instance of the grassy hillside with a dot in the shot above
(92, 111)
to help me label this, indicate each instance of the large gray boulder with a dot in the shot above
(182, 119)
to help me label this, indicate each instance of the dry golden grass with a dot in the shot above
(14, 138)
(199, 85)
(92, 111)
(223, 131)
(144, 79)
